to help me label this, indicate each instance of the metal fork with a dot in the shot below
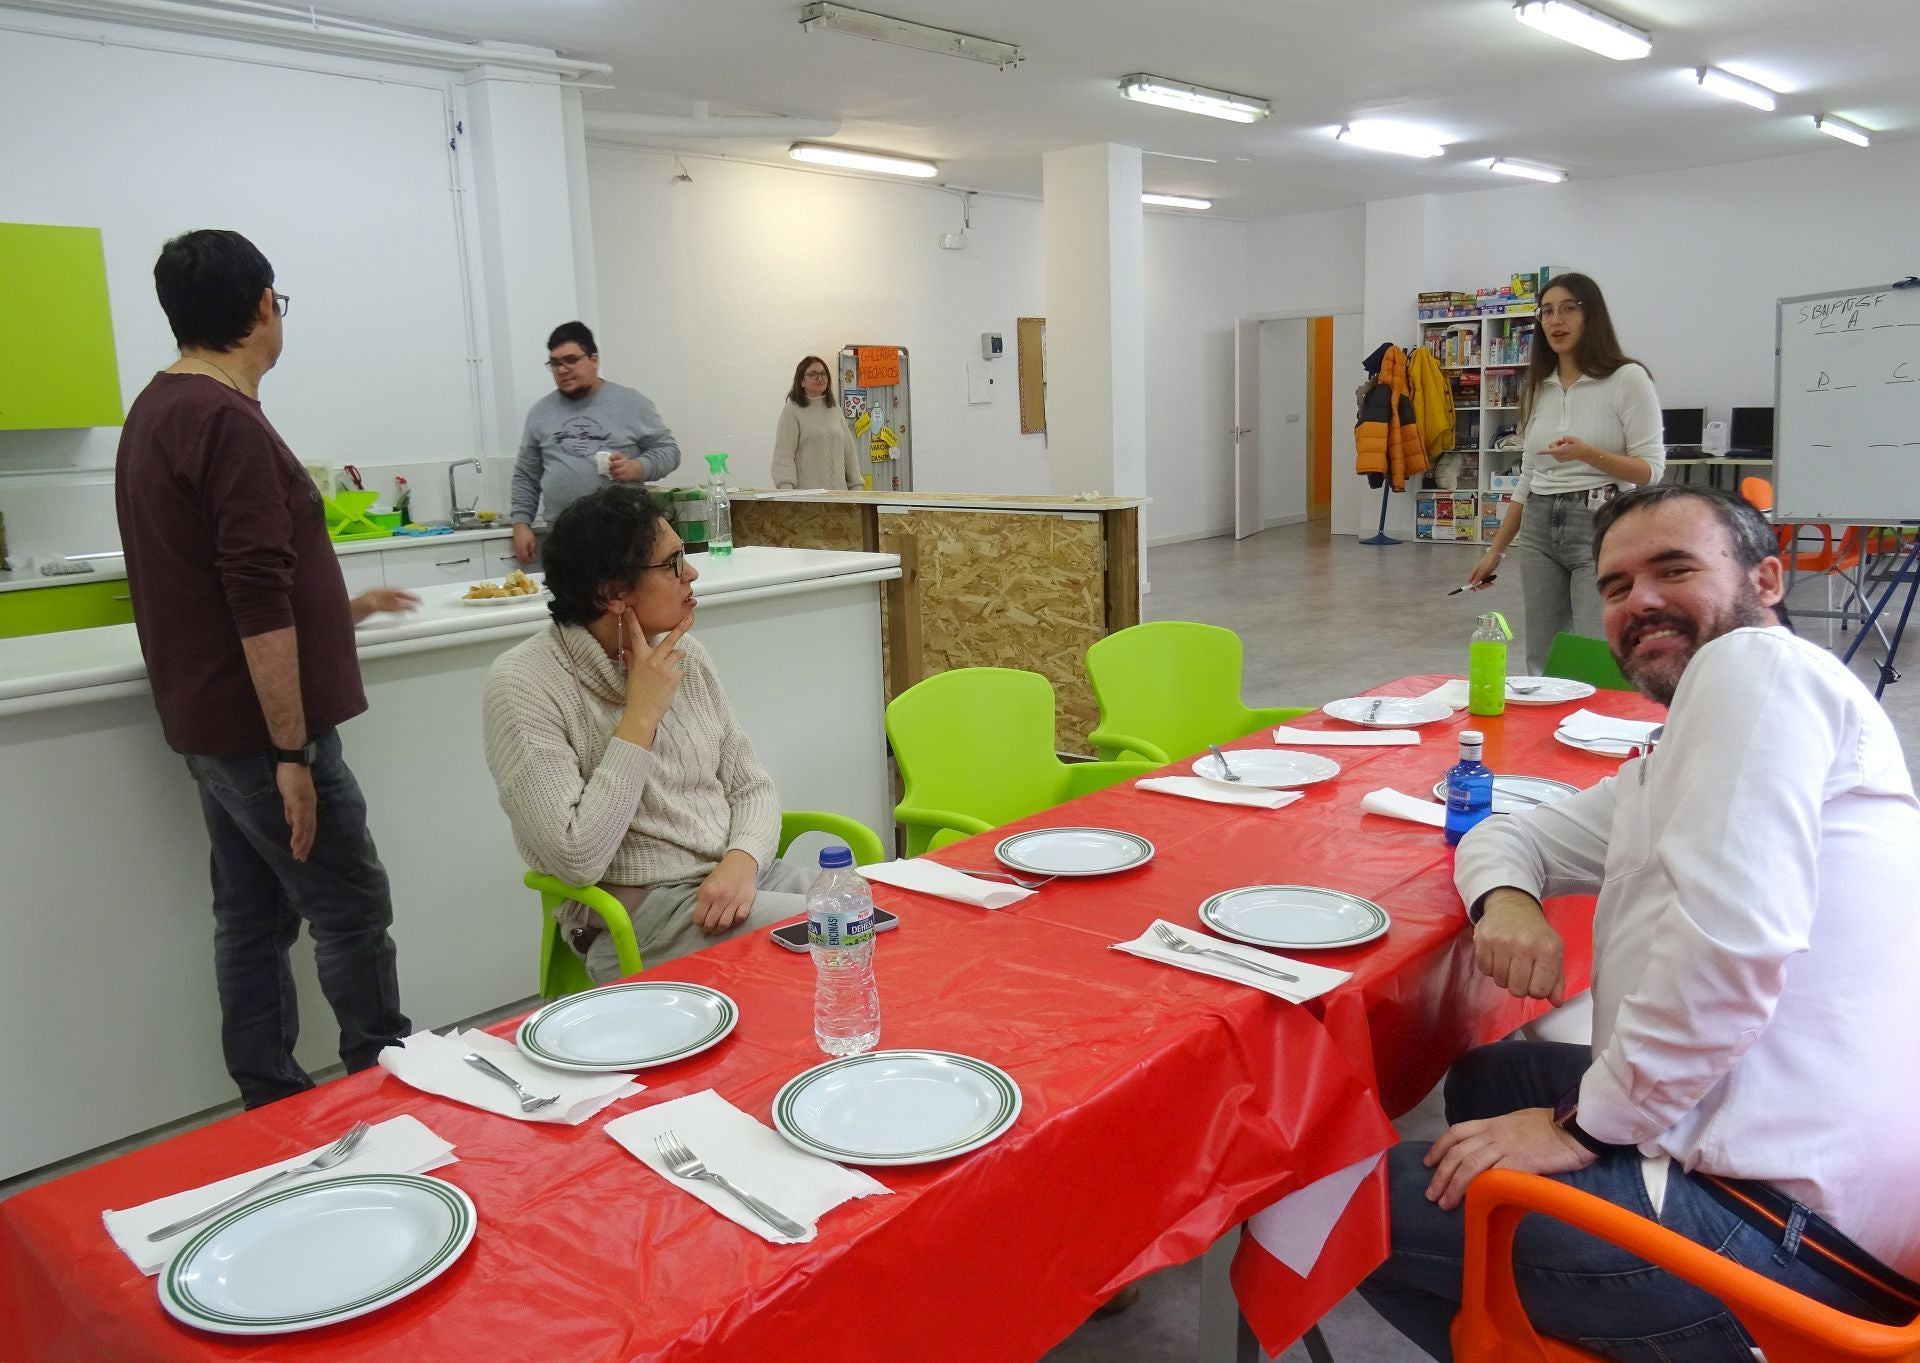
(1186, 948)
(1021, 881)
(528, 1103)
(326, 1159)
(1221, 758)
(683, 1163)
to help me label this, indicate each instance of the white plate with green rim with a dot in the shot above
(1269, 768)
(317, 1254)
(1546, 690)
(1296, 917)
(1388, 712)
(1074, 851)
(896, 1107)
(627, 1026)
(1517, 794)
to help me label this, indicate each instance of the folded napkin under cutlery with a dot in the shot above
(930, 877)
(747, 1153)
(1600, 732)
(1219, 792)
(437, 1064)
(1395, 805)
(399, 1145)
(1310, 981)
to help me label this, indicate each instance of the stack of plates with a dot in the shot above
(896, 1107)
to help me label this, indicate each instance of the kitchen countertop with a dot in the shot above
(72, 661)
(957, 501)
(114, 569)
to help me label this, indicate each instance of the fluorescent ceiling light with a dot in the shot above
(1526, 170)
(1585, 27)
(1175, 201)
(884, 28)
(1834, 127)
(1394, 137)
(815, 153)
(1194, 99)
(1732, 87)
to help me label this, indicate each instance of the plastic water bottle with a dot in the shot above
(1469, 788)
(719, 508)
(846, 998)
(1487, 666)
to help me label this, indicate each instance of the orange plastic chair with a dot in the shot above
(1492, 1326)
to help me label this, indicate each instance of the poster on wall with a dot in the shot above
(879, 365)
(853, 401)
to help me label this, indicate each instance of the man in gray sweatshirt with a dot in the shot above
(571, 425)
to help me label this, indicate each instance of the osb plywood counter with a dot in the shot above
(986, 581)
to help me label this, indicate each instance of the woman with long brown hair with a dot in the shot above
(1591, 428)
(812, 446)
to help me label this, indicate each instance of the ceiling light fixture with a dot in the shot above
(1732, 87)
(1584, 26)
(1175, 201)
(1527, 170)
(1394, 137)
(847, 158)
(884, 28)
(1846, 132)
(1194, 99)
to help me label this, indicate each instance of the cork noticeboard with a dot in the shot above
(1030, 348)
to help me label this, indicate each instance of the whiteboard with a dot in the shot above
(1847, 407)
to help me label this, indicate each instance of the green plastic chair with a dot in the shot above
(975, 748)
(1578, 658)
(562, 972)
(1169, 688)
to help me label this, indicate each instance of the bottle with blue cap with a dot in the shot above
(846, 997)
(1469, 788)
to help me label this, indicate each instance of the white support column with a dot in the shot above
(1396, 271)
(1096, 321)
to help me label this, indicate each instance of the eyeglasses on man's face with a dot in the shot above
(281, 302)
(558, 362)
(675, 563)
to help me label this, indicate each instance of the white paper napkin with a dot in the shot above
(1367, 738)
(1295, 1229)
(1314, 980)
(930, 877)
(1219, 792)
(1585, 726)
(1395, 805)
(1450, 693)
(750, 1155)
(435, 1064)
(399, 1145)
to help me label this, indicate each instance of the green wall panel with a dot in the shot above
(57, 363)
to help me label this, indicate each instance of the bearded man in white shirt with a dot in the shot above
(1754, 1077)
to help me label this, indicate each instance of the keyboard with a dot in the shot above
(64, 568)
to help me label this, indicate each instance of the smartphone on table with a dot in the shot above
(794, 935)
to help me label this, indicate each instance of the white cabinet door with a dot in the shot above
(363, 572)
(431, 564)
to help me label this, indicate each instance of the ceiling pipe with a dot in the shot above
(701, 123)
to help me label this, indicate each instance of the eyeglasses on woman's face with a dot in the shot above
(1570, 309)
(813, 374)
(675, 563)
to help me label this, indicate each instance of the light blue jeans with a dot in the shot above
(1555, 552)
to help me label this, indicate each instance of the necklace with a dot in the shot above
(231, 381)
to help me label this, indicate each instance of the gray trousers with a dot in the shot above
(1555, 552)
(663, 925)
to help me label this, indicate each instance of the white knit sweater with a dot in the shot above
(812, 447)
(591, 808)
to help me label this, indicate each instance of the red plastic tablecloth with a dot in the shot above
(1161, 1109)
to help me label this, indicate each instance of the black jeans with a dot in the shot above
(260, 897)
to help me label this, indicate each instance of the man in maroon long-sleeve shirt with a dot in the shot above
(247, 631)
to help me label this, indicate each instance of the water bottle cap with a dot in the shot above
(835, 857)
(1471, 738)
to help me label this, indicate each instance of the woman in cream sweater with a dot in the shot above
(812, 446)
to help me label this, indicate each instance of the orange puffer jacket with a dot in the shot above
(1387, 435)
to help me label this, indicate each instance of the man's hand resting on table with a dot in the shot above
(1516, 948)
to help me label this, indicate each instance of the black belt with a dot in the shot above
(1804, 1235)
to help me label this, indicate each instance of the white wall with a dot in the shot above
(1282, 431)
(1310, 261)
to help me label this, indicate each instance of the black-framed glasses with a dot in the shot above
(567, 361)
(820, 374)
(676, 562)
(281, 302)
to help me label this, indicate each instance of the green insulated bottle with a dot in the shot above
(1487, 666)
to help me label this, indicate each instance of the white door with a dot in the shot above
(1246, 440)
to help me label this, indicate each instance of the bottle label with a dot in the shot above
(833, 931)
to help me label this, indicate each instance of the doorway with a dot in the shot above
(1290, 426)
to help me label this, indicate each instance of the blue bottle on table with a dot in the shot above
(1469, 788)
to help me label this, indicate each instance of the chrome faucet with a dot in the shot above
(461, 516)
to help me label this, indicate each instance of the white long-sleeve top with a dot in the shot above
(1756, 963)
(1619, 414)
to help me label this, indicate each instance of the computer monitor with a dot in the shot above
(1682, 425)
(1752, 429)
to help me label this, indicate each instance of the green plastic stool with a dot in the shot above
(975, 748)
(1169, 688)
(562, 972)
(1578, 658)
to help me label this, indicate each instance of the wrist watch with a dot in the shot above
(302, 756)
(1566, 1115)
